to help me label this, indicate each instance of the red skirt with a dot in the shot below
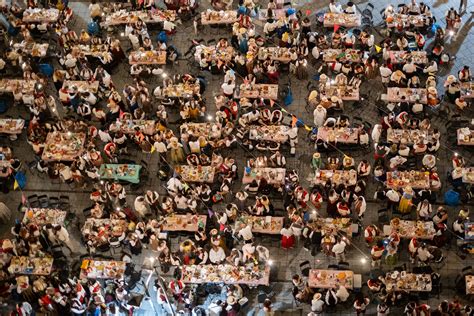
(287, 242)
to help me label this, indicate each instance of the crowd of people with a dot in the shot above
(84, 129)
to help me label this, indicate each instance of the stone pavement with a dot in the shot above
(286, 262)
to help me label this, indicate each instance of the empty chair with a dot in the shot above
(343, 265)
(383, 216)
(33, 201)
(333, 267)
(54, 202)
(305, 266)
(43, 201)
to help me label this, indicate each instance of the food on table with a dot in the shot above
(196, 173)
(28, 265)
(410, 229)
(148, 57)
(266, 225)
(331, 279)
(218, 17)
(152, 16)
(43, 216)
(340, 135)
(176, 222)
(181, 90)
(40, 15)
(63, 146)
(272, 175)
(342, 19)
(249, 274)
(408, 281)
(416, 179)
(465, 136)
(94, 269)
(337, 177)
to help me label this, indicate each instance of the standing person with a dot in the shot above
(287, 237)
(383, 309)
(62, 235)
(406, 203)
(360, 304)
(339, 249)
(377, 253)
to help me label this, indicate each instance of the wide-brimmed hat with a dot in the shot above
(317, 296)
(231, 300)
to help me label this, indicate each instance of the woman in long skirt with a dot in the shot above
(406, 203)
(287, 237)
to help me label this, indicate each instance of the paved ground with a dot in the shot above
(286, 262)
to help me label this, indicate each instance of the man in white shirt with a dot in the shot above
(228, 88)
(335, 8)
(216, 255)
(246, 233)
(409, 69)
(385, 73)
(339, 249)
(432, 68)
(393, 198)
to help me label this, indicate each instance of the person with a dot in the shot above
(317, 304)
(287, 237)
(360, 304)
(383, 309)
(342, 293)
(339, 249)
(406, 204)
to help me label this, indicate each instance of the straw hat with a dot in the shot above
(317, 155)
(334, 99)
(317, 296)
(432, 90)
(451, 79)
(231, 300)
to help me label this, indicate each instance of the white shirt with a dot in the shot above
(335, 8)
(246, 233)
(217, 256)
(339, 247)
(393, 195)
(228, 88)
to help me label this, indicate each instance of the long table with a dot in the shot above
(202, 129)
(270, 225)
(412, 95)
(225, 273)
(411, 136)
(8, 85)
(344, 135)
(30, 266)
(82, 85)
(128, 126)
(181, 90)
(43, 216)
(343, 55)
(345, 93)
(400, 179)
(330, 279)
(265, 91)
(465, 136)
(150, 57)
(272, 175)
(101, 269)
(408, 20)
(124, 172)
(276, 133)
(411, 229)
(402, 56)
(99, 231)
(332, 226)
(11, 126)
(218, 17)
(33, 49)
(408, 282)
(60, 146)
(151, 16)
(337, 177)
(275, 53)
(341, 19)
(188, 173)
(37, 15)
(188, 222)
